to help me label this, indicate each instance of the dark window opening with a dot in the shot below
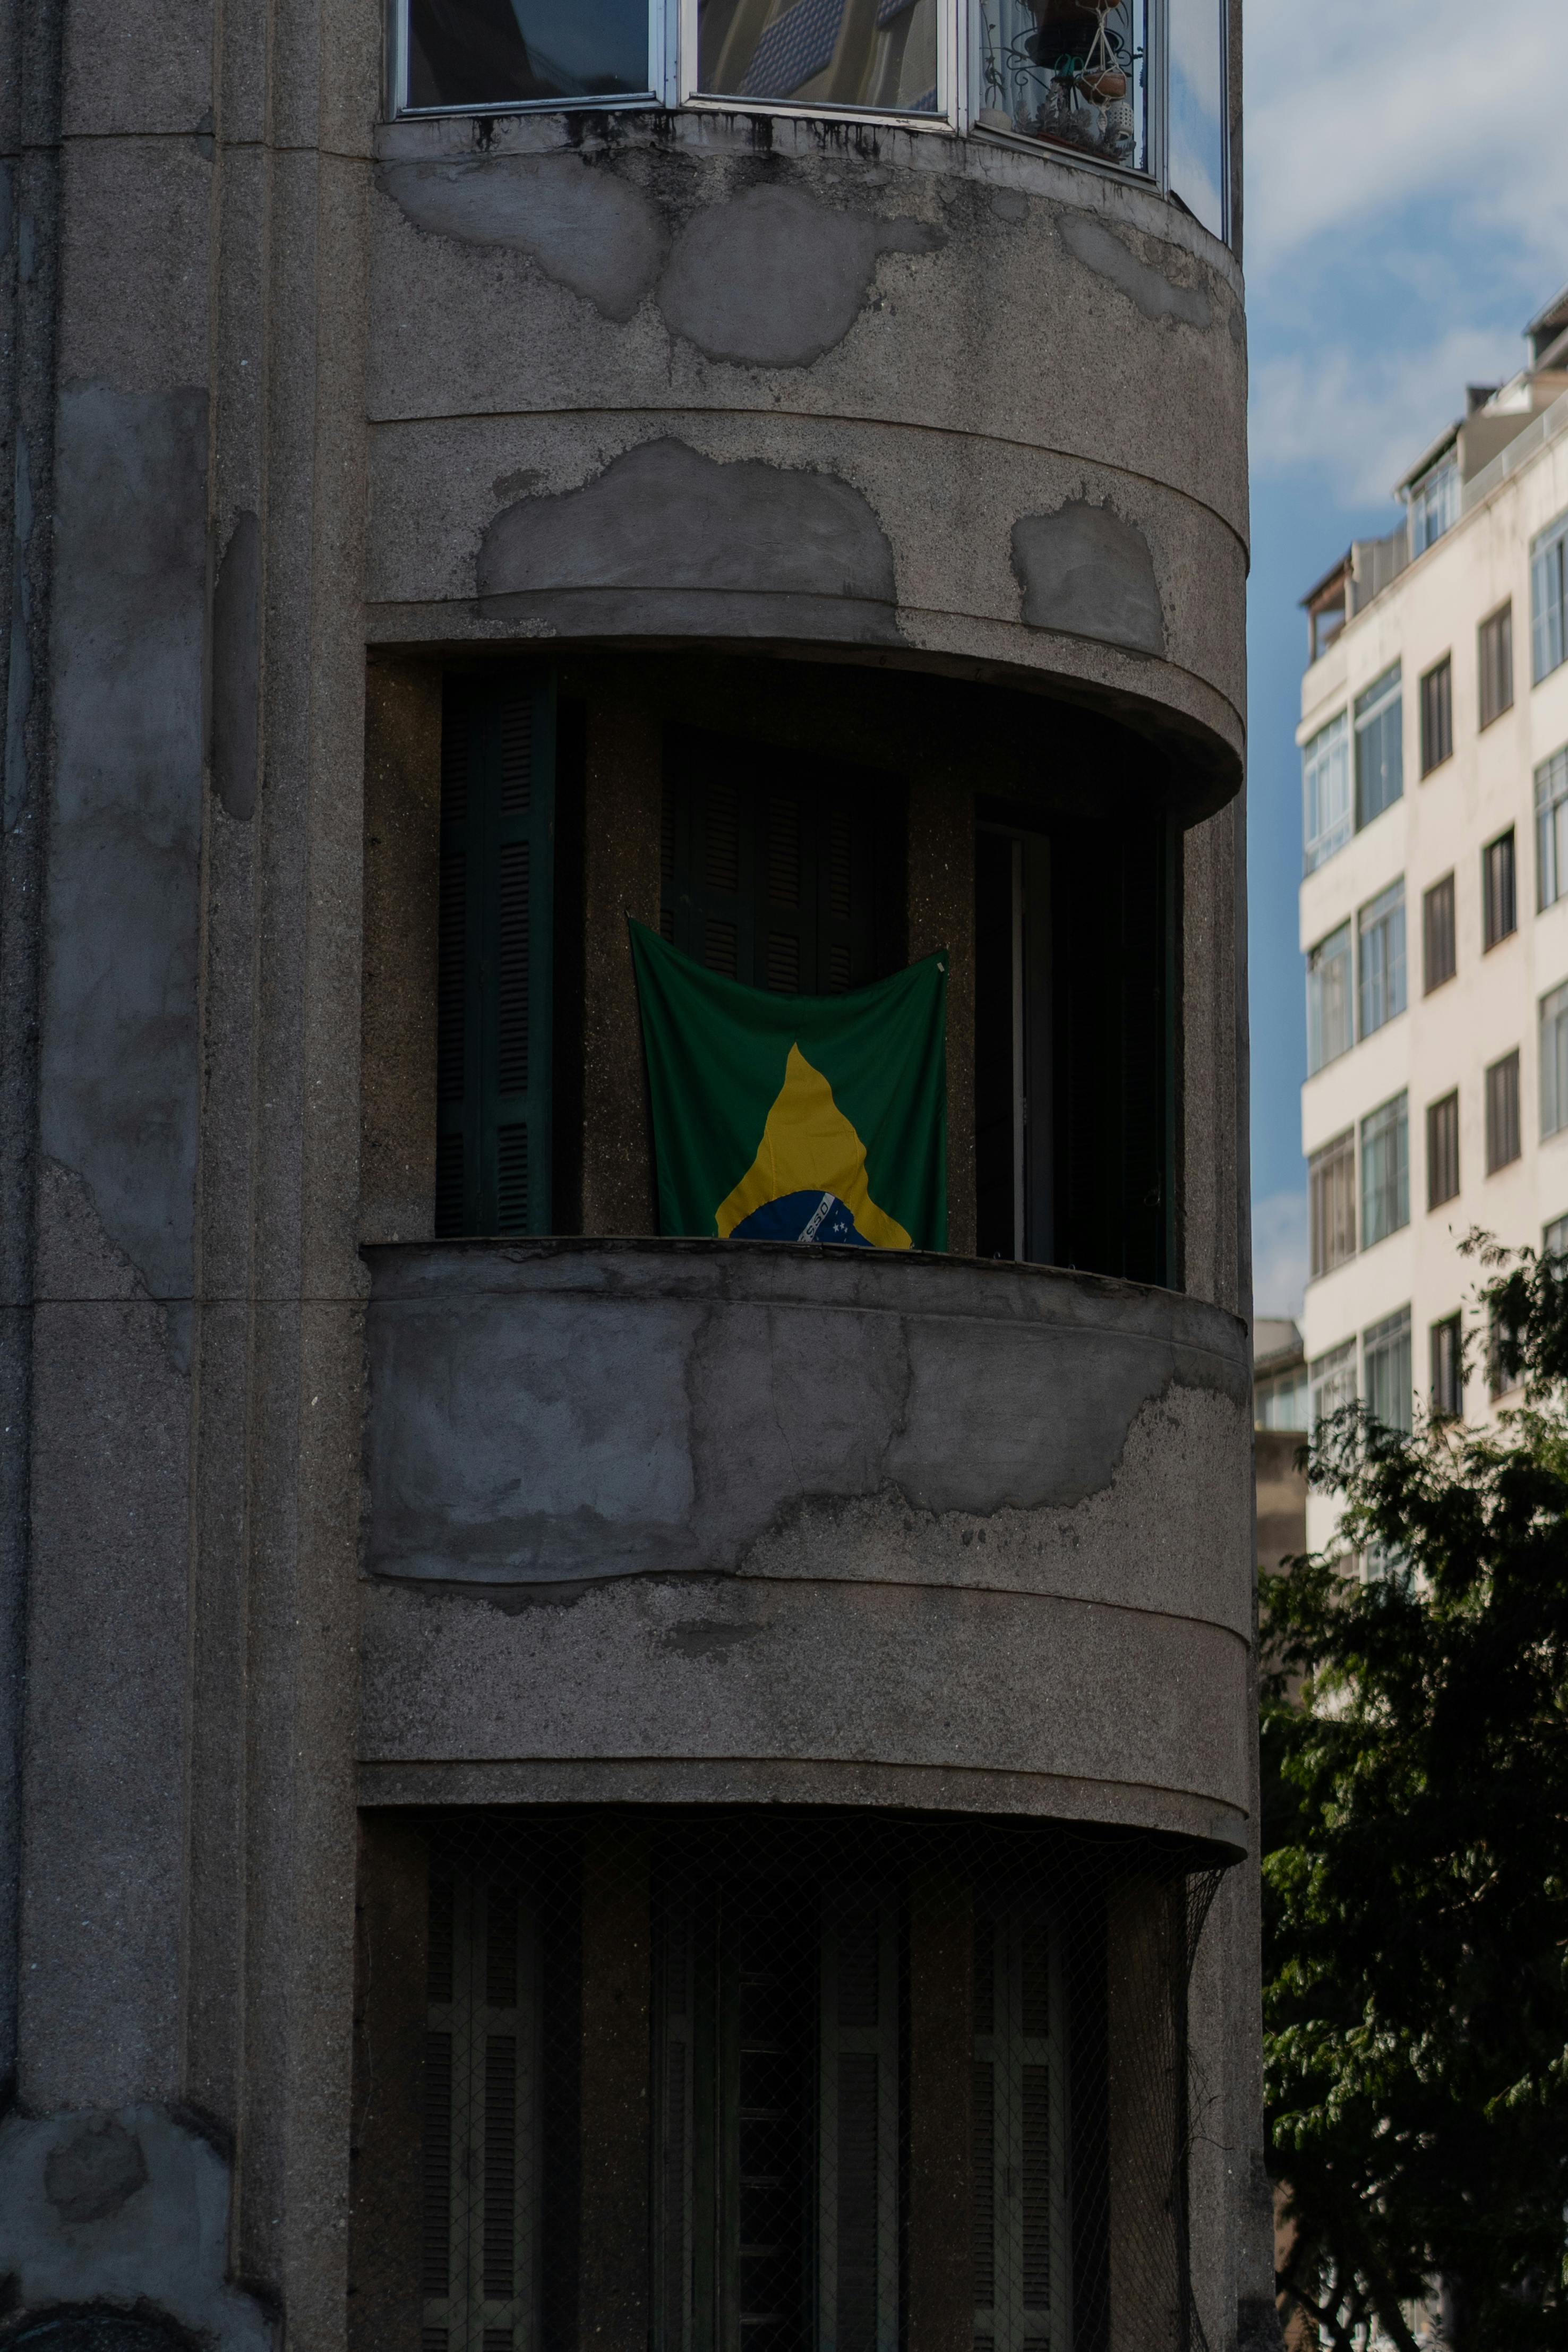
(1439, 958)
(1076, 1023)
(784, 873)
(1447, 1370)
(494, 1019)
(1499, 895)
(1436, 716)
(1503, 1144)
(726, 2082)
(1442, 1150)
(1494, 644)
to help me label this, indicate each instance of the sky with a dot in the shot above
(1406, 211)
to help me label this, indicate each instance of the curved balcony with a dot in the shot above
(679, 1518)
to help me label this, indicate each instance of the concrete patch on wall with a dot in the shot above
(584, 226)
(1149, 290)
(1085, 570)
(774, 280)
(122, 2217)
(118, 1083)
(665, 538)
(613, 1415)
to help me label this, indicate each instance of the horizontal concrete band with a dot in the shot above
(555, 1413)
(795, 1780)
(860, 1675)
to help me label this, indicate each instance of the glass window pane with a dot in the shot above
(1552, 829)
(1333, 1380)
(1067, 73)
(525, 52)
(1325, 791)
(1379, 746)
(1554, 1062)
(1384, 1172)
(1197, 110)
(1382, 931)
(1385, 1358)
(1329, 1026)
(880, 53)
(1548, 599)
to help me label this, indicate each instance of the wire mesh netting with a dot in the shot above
(805, 2082)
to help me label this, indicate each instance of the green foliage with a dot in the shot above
(1416, 1869)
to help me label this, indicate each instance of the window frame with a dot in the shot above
(1317, 963)
(1500, 890)
(1443, 1148)
(1431, 979)
(1369, 708)
(661, 91)
(1549, 563)
(1381, 1342)
(1445, 1362)
(1433, 500)
(1552, 829)
(1318, 848)
(950, 117)
(1504, 1118)
(1326, 1187)
(1394, 1116)
(1393, 967)
(1328, 1372)
(1436, 688)
(1499, 621)
(1558, 997)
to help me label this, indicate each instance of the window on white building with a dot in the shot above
(1494, 663)
(1330, 1026)
(1331, 1195)
(822, 53)
(1385, 1370)
(1380, 954)
(1552, 829)
(1554, 1062)
(1504, 1141)
(1439, 956)
(1384, 1170)
(1447, 1352)
(1332, 1382)
(1434, 505)
(1554, 1239)
(1499, 900)
(1549, 599)
(1379, 746)
(1443, 1150)
(1281, 1402)
(1325, 791)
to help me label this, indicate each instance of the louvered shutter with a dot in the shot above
(497, 939)
(773, 877)
(1021, 2253)
(480, 2170)
(857, 2127)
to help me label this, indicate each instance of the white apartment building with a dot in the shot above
(1434, 904)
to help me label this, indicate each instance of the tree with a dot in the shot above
(1416, 1869)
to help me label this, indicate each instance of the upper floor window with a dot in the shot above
(1494, 664)
(1384, 1170)
(1434, 505)
(1436, 716)
(1439, 961)
(1549, 599)
(505, 53)
(1379, 746)
(1332, 1377)
(1141, 85)
(1385, 1370)
(1498, 897)
(1503, 1142)
(1330, 1026)
(1326, 791)
(1331, 1189)
(1554, 1062)
(1380, 927)
(882, 54)
(1552, 829)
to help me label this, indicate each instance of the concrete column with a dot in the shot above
(389, 2011)
(1145, 1951)
(624, 802)
(941, 2075)
(617, 1981)
(403, 891)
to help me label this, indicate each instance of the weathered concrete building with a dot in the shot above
(561, 1786)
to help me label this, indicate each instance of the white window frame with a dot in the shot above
(1374, 922)
(1331, 742)
(1552, 829)
(952, 100)
(1317, 1058)
(1433, 505)
(1381, 1341)
(1332, 1382)
(661, 91)
(1549, 615)
(1554, 1010)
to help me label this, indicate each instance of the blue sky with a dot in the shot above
(1406, 212)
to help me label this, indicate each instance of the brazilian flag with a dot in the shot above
(784, 1118)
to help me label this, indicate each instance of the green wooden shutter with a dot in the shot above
(496, 941)
(773, 876)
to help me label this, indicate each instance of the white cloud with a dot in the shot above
(1353, 110)
(1367, 418)
(1279, 1253)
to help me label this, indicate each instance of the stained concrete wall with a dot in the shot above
(268, 388)
(721, 378)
